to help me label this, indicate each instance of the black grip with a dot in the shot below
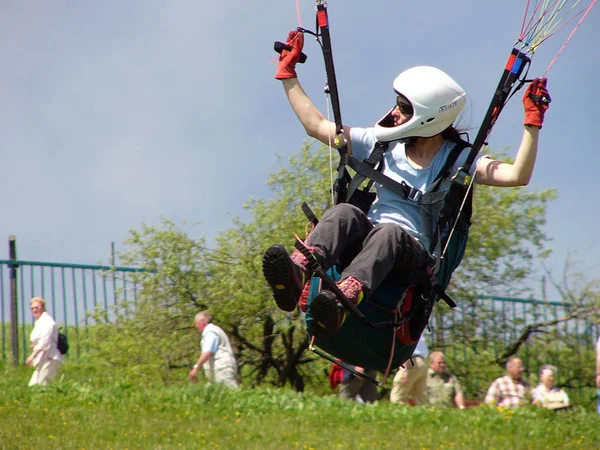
(543, 99)
(280, 46)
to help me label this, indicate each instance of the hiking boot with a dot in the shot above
(286, 275)
(328, 312)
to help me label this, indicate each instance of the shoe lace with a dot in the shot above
(351, 287)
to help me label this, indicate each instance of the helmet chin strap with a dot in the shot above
(409, 141)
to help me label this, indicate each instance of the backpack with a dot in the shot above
(63, 343)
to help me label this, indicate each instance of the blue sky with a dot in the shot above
(117, 112)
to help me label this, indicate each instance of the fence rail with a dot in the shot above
(72, 293)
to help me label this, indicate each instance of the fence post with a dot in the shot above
(14, 314)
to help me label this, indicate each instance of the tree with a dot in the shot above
(148, 338)
(183, 277)
(271, 341)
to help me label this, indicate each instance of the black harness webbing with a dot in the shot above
(344, 365)
(366, 169)
(517, 63)
(448, 214)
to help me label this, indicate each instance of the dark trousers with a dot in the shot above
(367, 252)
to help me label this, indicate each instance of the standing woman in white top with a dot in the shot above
(45, 357)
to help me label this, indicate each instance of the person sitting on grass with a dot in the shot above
(546, 394)
(443, 388)
(511, 390)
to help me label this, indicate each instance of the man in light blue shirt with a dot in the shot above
(217, 358)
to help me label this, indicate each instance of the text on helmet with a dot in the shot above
(448, 106)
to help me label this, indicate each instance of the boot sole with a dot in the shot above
(326, 312)
(279, 273)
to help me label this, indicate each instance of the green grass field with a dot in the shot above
(85, 410)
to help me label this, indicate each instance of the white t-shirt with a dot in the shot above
(389, 206)
(44, 338)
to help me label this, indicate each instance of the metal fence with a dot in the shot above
(506, 317)
(73, 292)
(491, 325)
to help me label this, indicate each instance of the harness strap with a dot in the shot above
(342, 364)
(323, 26)
(447, 168)
(448, 216)
(310, 215)
(516, 64)
(444, 296)
(366, 169)
(339, 188)
(453, 197)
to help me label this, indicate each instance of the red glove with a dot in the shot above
(289, 58)
(536, 101)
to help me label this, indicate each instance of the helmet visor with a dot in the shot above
(404, 106)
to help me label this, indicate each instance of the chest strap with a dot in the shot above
(367, 169)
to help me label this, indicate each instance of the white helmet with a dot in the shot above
(437, 100)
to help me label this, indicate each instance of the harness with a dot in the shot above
(436, 208)
(364, 339)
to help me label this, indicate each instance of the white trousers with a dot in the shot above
(411, 383)
(227, 378)
(45, 372)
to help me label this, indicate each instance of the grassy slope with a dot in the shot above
(84, 412)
